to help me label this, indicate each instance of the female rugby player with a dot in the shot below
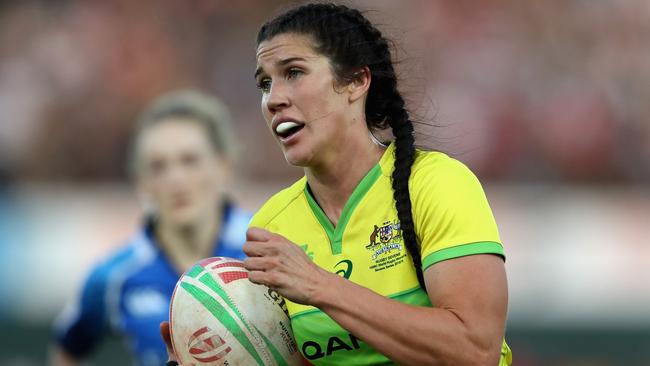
(385, 253)
(181, 154)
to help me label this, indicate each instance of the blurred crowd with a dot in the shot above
(553, 91)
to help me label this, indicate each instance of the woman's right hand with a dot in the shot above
(166, 336)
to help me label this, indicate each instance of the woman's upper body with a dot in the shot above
(327, 83)
(180, 162)
(452, 219)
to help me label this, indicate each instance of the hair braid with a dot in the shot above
(391, 108)
(404, 158)
(352, 42)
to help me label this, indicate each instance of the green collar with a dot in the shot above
(335, 234)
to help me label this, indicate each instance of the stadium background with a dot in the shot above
(547, 101)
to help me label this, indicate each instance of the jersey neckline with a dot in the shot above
(335, 234)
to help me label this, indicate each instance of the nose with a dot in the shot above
(176, 176)
(277, 98)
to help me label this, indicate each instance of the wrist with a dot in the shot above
(327, 287)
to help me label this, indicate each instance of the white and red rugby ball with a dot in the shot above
(218, 317)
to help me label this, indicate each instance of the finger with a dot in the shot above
(259, 249)
(252, 249)
(166, 336)
(260, 278)
(256, 264)
(258, 234)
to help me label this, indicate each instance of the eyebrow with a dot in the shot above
(281, 63)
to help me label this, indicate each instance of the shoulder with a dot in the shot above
(440, 165)
(89, 304)
(451, 213)
(135, 252)
(278, 203)
(434, 170)
(429, 168)
(85, 318)
(113, 262)
(442, 185)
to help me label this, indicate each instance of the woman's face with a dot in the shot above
(179, 171)
(301, 104)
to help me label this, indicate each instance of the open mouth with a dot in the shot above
(288, 129)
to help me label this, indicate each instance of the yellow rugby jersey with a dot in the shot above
(452, 219)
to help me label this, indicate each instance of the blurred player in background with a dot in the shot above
(181, 156)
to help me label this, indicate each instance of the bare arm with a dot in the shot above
(465, 326)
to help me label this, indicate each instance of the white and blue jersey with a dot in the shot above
(129, 294)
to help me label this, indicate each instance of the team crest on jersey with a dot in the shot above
(385, 239)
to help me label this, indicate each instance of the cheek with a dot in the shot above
(211, 181)
(204, 180)
(200, 190)
(318, 101)
(156, 193)
(265, 111)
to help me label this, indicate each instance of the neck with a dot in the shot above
(333, 181)
(187, 244)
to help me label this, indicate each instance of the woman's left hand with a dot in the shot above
(278, 263)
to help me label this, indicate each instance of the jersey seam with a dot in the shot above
(477, 247)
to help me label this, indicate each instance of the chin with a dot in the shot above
(297, 160)
(183, 218)
(297, 157)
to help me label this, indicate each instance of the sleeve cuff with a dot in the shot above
(482, 247)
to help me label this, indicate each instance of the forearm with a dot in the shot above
(465, 328)
(409, 335)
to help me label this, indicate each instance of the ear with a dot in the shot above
(359, 85)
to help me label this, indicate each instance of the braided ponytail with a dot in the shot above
(351, 42)
(404, 158)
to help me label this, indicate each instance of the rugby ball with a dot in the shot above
(218, 317)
